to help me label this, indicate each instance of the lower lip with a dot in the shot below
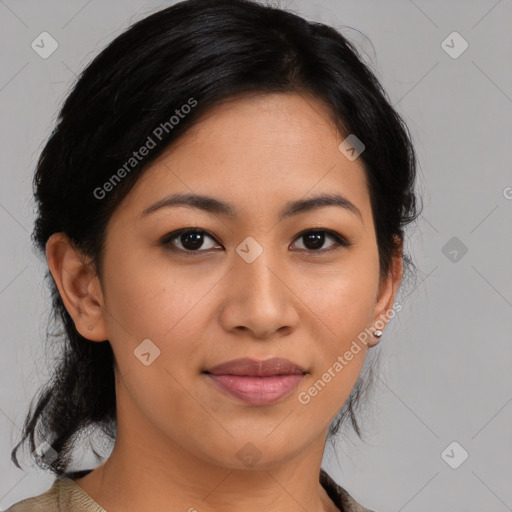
(257, 390)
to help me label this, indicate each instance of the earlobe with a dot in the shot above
(385, 306)
(78, 286)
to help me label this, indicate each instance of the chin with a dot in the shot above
(253, 452)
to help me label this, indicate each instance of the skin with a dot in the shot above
(178, 436)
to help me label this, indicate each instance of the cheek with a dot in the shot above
(341, 300)
(151, 294)
(155, 302)
(340, 307)
(165, 308)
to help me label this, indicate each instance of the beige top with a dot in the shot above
(67, 496)
(63, 496)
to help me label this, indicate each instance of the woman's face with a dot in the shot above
(250, 285)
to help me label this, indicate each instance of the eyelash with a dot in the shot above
(170, 237)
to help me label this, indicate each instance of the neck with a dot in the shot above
(148, 481)
(150, 471)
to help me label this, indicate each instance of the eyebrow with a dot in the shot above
(217, 206)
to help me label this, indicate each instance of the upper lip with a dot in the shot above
(254, 367)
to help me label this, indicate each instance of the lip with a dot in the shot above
(256, 368)
(257, 382)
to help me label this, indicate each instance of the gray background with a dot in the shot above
(447, 355)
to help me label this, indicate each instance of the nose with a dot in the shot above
(260, 301)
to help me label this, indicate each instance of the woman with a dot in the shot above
(222, 207)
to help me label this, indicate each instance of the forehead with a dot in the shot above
(257, 152)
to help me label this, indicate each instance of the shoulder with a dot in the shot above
(46, 502)
(64, 495)
(341, 498)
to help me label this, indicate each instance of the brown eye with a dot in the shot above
(188, 240)
(314, 240)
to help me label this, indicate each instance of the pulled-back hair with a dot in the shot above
(198, 53)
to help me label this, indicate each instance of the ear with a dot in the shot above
(78, 285)
(386, 295)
